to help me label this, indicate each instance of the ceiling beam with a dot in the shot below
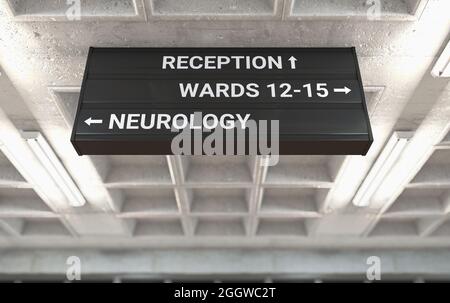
(195, 262)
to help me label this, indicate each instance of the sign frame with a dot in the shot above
(290, 144)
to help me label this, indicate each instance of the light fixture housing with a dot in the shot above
(54, 167)
(381, 168)
(442, 66)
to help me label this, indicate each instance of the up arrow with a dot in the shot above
(345, 90)
(293, 61)
(93, 121)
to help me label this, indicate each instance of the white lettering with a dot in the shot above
(179, 121)
(222, 89)
(152, 122)
(222, 62)
(207, 90)
(244, 120)
(210, 62)
(278, 62)
(188, 89)
(133, 118)
(163, 119)
(168, 61)
(182, 61)
(218, 90)
(114, 120)
(198, 65)
(253, 91)
(237, 59)
(177, 118)
(208, 118)
(226, 121)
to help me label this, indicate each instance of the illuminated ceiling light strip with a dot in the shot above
(381, 168)
(54, 167)
(442, 67)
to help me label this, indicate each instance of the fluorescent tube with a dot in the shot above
(54, 167)
(381, 168)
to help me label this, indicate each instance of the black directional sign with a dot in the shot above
(137, 100)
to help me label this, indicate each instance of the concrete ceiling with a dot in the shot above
(164, 202)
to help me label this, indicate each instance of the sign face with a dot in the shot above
(137, 100)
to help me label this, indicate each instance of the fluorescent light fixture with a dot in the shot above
(381, 168)
(54, 167)
(442, 67)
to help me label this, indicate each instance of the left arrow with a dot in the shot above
(93, 121)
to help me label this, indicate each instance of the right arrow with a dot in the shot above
(345, 90)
